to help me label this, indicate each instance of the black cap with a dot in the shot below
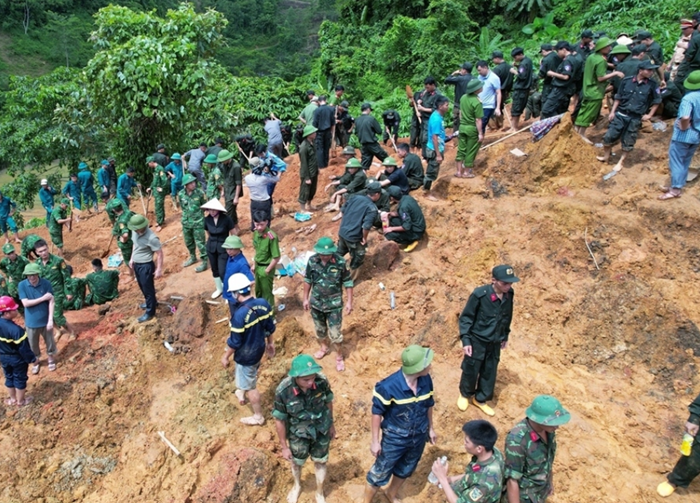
(130, 169)
(647, 65)
(545, 47)
(505, 273)
(587, 34)
(310, 92)
(496, 54)
(516, 51)
(160, 146)
(467, 66)
(562, 44)
(344, 104)
(643, 35)
(639, 49)
(366, 106)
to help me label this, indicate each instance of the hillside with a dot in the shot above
(617, 345)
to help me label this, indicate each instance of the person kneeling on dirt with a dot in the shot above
(103, 285)
(483, 477)
(353, 181)
(406, 225)
(688, 466)
(252, 326)
(15, 353)
(303, 413)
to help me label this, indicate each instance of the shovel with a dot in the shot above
(409, 95)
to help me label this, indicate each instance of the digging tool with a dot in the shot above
(507, 136)
(106, 252)
(148, 203)
(241, 151)
(334, 152)
(393, 143)
(143, 205)
(409, 95)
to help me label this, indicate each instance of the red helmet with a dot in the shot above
(7, 304)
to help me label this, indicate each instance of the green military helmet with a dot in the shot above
(620, 49)
(415, 359)
(150, 159)
(175, 157)
(31, 269)
(211, 159)
(548, 411)
(224, 155)
(389, 161)
(304, 365)
(309, 129)
(473, 86)
(115, 204)
(8, 248)
(602, 43)
(353, 164)
(137, 222)
(188, 178)
(692, 81)
(325, 246)
(233, 243)
(65, 201)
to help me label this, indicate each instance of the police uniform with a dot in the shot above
(550, 62)
(366, 129)
(327, 283)
(413, 169)
(636, 97)
(410, 218)
(392, 121)
(323, 120)
(414, 140)
(267, 248)
(521, 87)
(359, 213)
(688, 467)
(560, 94)
(308, 170)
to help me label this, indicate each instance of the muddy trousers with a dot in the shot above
(687, 468)
(479, 371)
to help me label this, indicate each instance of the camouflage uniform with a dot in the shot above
(193, 222)
(159, 187)
(103, 285)
(13, 270)
(306, 417)
(56, 229)
(233, 181)
(55, 272)
(113, 205)
(482, 482)
(121, 229)
(3, 286)
(27, 245)
(327, 283)
(215, 181)
(529, 461)
(76, 288)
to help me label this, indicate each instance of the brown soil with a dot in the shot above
(617, 345)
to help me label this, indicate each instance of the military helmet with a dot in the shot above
(304, 365)
(548, 411)
(8, 248)
(188, 178)
(31, 269)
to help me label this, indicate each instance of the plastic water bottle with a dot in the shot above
(392, 298)
(431, 477)
(687, 444)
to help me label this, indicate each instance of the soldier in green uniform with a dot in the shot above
(303, 413)
(27, 246)
(233, 185)
(367, 128)
(308, 168)
(350, 183)
(60, 215)
(158, 189)
(12, 265)
(215, 180)
(75, 292)
(482, 480)
(530, 449)
(267, 255)
(53, 269)
(191, 198)
(484, 326)
(120, 230)
(103, 285)
(688, 466)
(406, 225)
(326, 276)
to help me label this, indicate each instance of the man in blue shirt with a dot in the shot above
(252, 326)
(192, 160)
(36, 295)
(7, 209)
(72, 191)
(402, 406)
(490, 94)
(435, 148)
(15, 353)
(237, 263)
(175, 173)
(686, 137)
(46, 193)
(125, 185)
(103, 180)
(87, 185)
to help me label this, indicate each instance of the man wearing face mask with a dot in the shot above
(484, 326)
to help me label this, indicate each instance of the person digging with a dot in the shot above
(352, 182)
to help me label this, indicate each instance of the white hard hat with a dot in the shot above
(44, 181)
(237, 282)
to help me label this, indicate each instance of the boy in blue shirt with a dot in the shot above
(15, 353)
(435, 148)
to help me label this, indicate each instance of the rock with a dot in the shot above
(80, 493)
(189, 319)
(245, 474)
(386, 255)
(102, 310)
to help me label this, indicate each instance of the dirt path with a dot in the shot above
(616, 345)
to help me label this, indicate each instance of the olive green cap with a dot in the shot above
(65, 201)
(548, 411)
(353, 164)
(224, 155)
(137, 222)
(692, 81)
(188, 178)
(233, 242)
(620, 49)
(309, 130)
(473, 86)
(304, 365)
(8, 248)
(415, 359)
(602, 43)
(211, 159)
(389, 161)
(325, 246)
(31, 269)
(149, 159)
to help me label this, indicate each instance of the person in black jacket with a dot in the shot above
(522, 83)
(324, 121)
(459, 78)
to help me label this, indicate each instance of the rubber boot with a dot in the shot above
(219, 288)
(189, 261)
(202, 267)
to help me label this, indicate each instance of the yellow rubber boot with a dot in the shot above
(411, 247)
(665, 489)
(462, 403)
(484, 408)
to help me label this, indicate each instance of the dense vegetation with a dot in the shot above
(83, 79)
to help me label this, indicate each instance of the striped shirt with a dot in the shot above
(690, 107)
(404, 412)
